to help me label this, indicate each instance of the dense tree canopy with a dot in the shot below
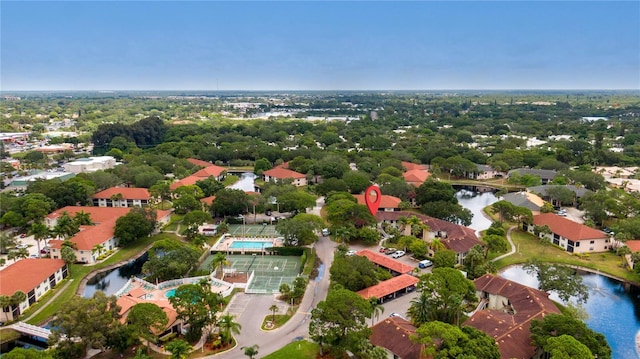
(170, 259)
(558, 278)
(448, 293)
(556, 325)
(445, 341)
(138, 223)
(340, 321)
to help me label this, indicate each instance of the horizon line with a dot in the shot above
(318, 90)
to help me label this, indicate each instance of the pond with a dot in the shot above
(475, 199)
(245, 183)
(111, 281)
(613, 308)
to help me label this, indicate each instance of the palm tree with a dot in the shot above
(420, 309)
(17, 298)
(5, 301)
(178, 348)
(402, 221)
(219, 260)
(227, 327)
(98, 248)
(417, 227)
(66, 226)
(40, 231)
(251, 351)
(83, 219)
(18, 254)
(116, 198)
(273, 308)
(378, 308)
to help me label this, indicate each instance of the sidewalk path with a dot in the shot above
(44, 305)
(513, 246)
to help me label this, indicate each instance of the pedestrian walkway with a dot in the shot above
(513, 246)
(45, 304)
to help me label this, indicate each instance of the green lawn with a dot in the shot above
(77, 272)
(528, 246)
(229, 180)
(281, 319)
(301, 349)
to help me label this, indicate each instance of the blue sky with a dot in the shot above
(267, 45)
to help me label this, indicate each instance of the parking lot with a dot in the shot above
(27, 242)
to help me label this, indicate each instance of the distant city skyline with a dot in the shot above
(325, 46)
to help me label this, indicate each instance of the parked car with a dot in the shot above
(351, 253)
(425, 264)
(382, 249)
(23, 235)
(396, 315)
(21, 245)
(398, 254)
(326, 232)
(390, 251)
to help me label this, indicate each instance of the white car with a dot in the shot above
(398, 254)
(351, 253)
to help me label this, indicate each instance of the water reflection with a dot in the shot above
(613, 308)
(111, 281)
(475, 199)
(245, 183)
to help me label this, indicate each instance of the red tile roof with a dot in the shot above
(511, 332)
(90, 236)
(567, 228)
(208, 200)
(24, 275)
(416, 176)
(283, 173)
(385, 202)
(126, 302)
(388, 286)
(634, 245)
(394, 334)
(126, 192)
(385, 261)
(458, 238)
(104, 219)
(198, 162)
(97, 214)
(187, 181)
(209, 171)
(410, 166)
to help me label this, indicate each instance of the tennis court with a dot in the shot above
(253, 230)
(269, 271)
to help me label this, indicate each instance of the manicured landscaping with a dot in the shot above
(300, 349)
(78, 272)
(229, 180)
(281, 319)
(528, 246)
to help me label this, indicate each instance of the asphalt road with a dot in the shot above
(250, 309)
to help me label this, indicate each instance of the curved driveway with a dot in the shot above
(250, 309)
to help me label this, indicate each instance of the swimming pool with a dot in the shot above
(250, 244)
(170, 293)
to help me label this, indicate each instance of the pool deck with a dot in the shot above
(226, 241)
(140, 289)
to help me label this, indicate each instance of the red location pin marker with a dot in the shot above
(373, 197)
